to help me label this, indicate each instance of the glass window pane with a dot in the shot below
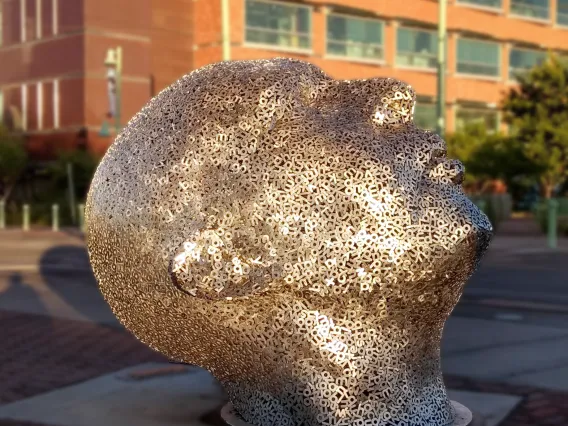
(277, 24)
(488, 117)
(485, 3)
(531, 8)
(416, 48)
(478, 57)
(521, 60)
(354, 37)
(562, 12)
(425, 115)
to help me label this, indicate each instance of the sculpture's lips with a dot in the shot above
(484, 237)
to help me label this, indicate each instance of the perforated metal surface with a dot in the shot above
(296, 235)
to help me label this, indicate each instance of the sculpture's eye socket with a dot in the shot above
(438, 154)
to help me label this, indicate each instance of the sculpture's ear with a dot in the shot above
(213, 265)
(396, 105)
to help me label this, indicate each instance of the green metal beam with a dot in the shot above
(226, 30)
(441, 87)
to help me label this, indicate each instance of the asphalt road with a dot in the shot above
(532, 277)
(519, 270)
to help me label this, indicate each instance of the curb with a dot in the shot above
(516, 304)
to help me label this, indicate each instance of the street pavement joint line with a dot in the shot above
(504, 345)
(535, 370)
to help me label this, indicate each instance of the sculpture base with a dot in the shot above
(463, 415)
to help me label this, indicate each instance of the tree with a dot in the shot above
(490, 156)
(538, 111)
(84, 167)
(462, 145)
(13, 161)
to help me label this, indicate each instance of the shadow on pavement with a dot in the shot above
(18, 291)
(67, 274)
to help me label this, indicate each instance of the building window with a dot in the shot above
(562, 12)
(38, 19)
(278, 24)
(24, 93)
(39, 105)
(478, 57)
(522, 60)
(425, 115)
(477, 115)
(23, 17)
(537, 9)
(1, 23)
(494, 4)
(416, 48)
(56, 102)
(54, 16)
(355, 37)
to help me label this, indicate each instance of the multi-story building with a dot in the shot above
(53, 79)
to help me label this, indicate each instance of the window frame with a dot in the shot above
(512, 78)
(268, 46)
(410, 67)
(355, 58)
(564, 14)
(466, 3)
(497, 77)
(516, 15)
(423, 100)
(477, 108)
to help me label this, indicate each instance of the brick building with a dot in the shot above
(53, 79)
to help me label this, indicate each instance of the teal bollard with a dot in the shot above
(552, 223)
(55, 217)
(81, 209)
(2, 215)
(26, 217)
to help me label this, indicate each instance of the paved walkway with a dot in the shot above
(57, 332)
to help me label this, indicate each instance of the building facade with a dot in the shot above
(53, 78)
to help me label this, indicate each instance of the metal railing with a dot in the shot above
(24, 218)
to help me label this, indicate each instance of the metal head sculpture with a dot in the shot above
(295, 235)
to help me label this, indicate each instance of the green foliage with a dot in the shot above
(489, 156)
(541, 214)
(538, 111)
(13, 160)
(83, 165)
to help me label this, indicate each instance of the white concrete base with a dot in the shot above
(147, 395)
(488, 409)
(463, 415)
(180, 399)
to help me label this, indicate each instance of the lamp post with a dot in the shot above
(441, 89)
(113, 64)
(226, 25)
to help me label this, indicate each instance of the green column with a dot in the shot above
(226, 30)
(26, 217)
(55, 217)
(2, 215)
(552, 222)
(441, 87)
(81, 208)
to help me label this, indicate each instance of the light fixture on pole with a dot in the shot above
(113, 64)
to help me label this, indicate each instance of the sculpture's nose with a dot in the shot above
(456, 172)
